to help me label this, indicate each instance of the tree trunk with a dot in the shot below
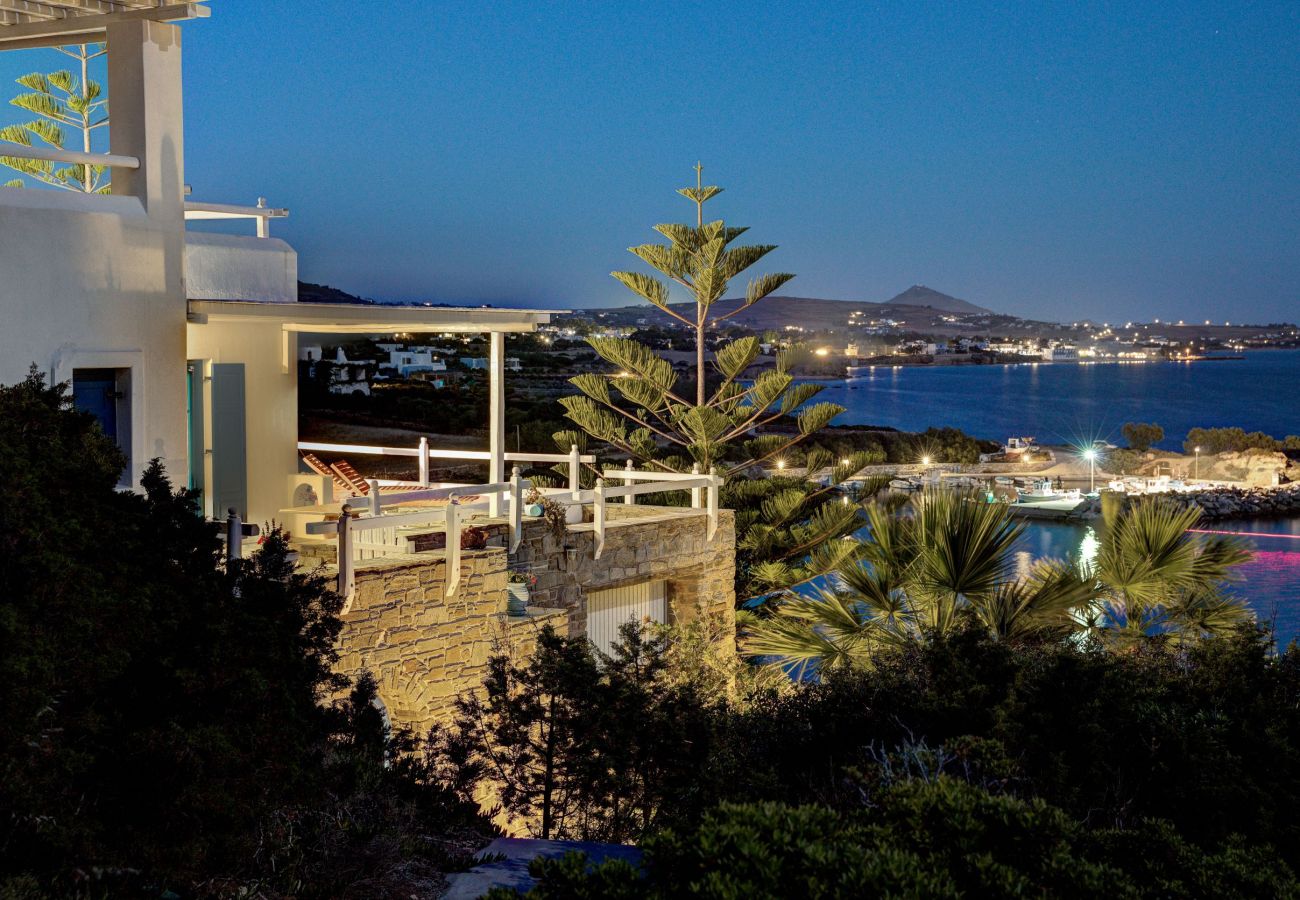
(87, 175)
(548, 777)
(699, 365)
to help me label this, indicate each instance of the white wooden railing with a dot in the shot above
(198, 210)
(368, 530)
(381, 528)
(423, 453)
(73, 157)
(703, 488)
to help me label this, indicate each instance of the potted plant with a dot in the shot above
(556, 515)
(518, 586)
(473, 538)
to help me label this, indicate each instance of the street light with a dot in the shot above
(1091, 456)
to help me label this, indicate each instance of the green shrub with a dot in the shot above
(1123, 462)
(939, 838)
(164, 721)
(1142, 435)
(1228, 440)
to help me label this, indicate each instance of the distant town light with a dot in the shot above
(780, 464)
(925, 460)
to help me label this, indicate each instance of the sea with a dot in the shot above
(1076, 403)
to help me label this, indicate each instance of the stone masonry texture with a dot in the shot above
(425, 648)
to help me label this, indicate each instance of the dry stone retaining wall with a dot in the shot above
(425, 648)
(641, 544)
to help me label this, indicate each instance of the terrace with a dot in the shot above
(183, 342)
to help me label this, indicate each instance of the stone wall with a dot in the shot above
(425, 648)
(1244, 503)
(642, 543)
(1214, 503)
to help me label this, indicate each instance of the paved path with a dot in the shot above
(512, 872)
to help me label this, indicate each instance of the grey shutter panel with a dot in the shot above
(194, 388)
(229, 441)
(609, 610)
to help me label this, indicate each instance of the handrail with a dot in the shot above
(512, 491)
(198, 210)
(74, 157)
(703, 489)
(423, 453)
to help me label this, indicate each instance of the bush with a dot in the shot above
(1111, 738)
(1123, 462)
(1228, 440)
(164, 721)
(1141, 435)
(578, 745)
(938, 838)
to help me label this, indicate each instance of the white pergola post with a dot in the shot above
(144, 77)
(496, 417)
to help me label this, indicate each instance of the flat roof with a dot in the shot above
(358, 318)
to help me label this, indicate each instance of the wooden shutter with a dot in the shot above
(229, 441)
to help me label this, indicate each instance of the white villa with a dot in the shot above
(185, 345)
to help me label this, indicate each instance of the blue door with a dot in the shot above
(95, 391)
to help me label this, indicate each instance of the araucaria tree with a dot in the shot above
(639, 410)
(64, 105)
(790, 529)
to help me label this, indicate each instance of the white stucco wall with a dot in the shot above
(239, 267)
(270, 398)
(88, 281)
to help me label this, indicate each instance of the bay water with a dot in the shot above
(1070, 403)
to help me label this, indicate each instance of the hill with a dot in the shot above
(918, 307)
(920, 295)
(323, 293)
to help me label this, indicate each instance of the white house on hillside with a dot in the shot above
(183, 343)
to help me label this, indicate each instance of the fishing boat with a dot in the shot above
(1043, 501)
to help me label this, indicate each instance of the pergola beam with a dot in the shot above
(43, 10)
(41, 23)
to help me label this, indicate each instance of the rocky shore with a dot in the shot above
(1245, 503)
(1232, 503)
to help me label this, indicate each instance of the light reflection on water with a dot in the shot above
(1270, 582)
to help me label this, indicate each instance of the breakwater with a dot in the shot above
(1225, 503)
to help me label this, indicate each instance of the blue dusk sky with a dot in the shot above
(1054, 160)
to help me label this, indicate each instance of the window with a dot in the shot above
(106, 394)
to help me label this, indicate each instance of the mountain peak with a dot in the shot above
(920, 295)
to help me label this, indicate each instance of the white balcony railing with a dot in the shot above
(72, 157)
(422, 453)
(197, 210)
(376, 534)
(375, 526)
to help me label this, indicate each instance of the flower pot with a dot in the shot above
(533, 509)
(517, 599)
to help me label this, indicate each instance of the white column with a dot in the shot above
(144, 80)
(496, 416)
